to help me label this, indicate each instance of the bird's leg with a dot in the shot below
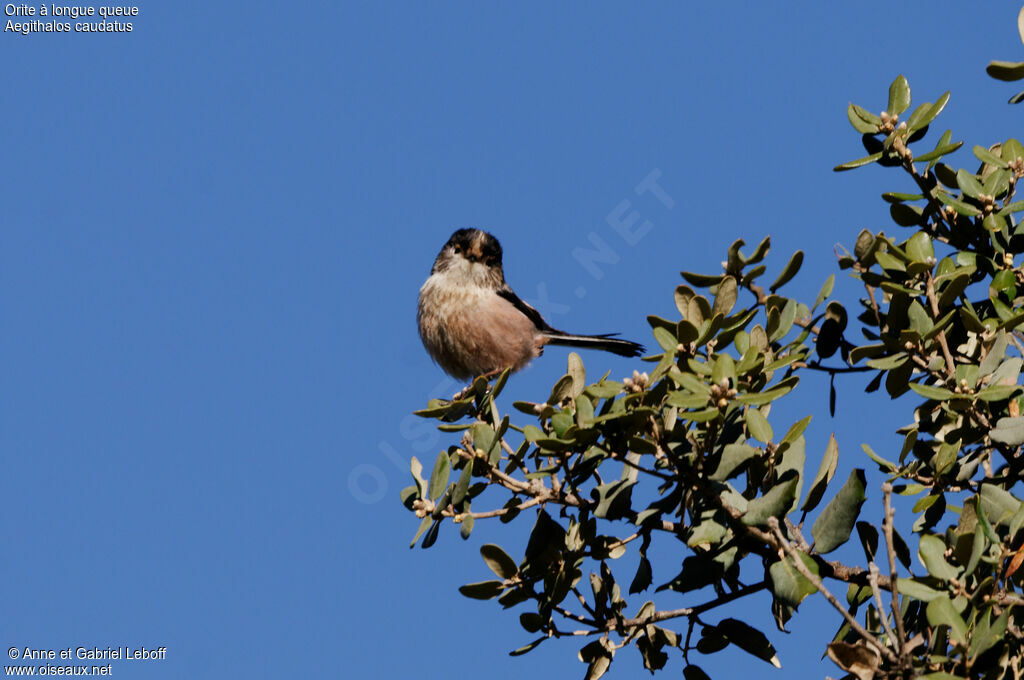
(492, 374)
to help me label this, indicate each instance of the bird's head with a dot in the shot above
(473, 254)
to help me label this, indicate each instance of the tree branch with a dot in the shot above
(799, 565)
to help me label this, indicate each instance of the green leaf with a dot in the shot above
(1009, 431)
(686, 332)
(925, 502)
(1012, 150)
(919, 320)
(561, 390)
(889, 262)
(666, 340)
(836, 521)
(734, 456)
(701, 280)
(462, 486)
(919, 247)
(683, 295)
(789, 271)
(725, 297)
(707, 533)
(724, 369)
(531, 621)
(408, 495)
(987, 633)
(986, 156)
(869, 351)
(941, 151)
(1014, 207)
(431, 536)
(941, 612)
(484, 590)
(416, 467)
(906, 215)
(999, 504)
(959, 206)
(899, 96)
(788, 584)
(760, 398)
(613, 498)
(758, 425)
(498, 561)
(863, 121)
(439, 477)
(968, 183)
(486, 441)
(711, 641)
(686, 399)
(825, 472)
(918, 122)
(578, 373)
(796, 430)
(932, 392)
(825, 291)
(759, 252)
(931, 551)
(1006, 70)
(917, 590)
(643, 576)
(528, 648)
(427, 522)
(897, 197)
(860, 162)
(702, 416)
(466, 527)
(698, 571)
(775, 503)
(692, 672)
(994, 356)
(749, 639)
(885, 363)
(998, 393)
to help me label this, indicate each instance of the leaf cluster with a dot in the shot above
(689, 454)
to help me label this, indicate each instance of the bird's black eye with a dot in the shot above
(456, 249)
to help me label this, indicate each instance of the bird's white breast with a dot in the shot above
(469, 330)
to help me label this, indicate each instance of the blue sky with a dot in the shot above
(215, 228)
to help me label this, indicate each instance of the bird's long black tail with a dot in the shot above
(624, 348)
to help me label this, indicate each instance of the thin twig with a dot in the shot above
(874, 305)
(625, 461)
(941, 337)
(575, 617)
(501, 511)
(512, 455)
(890, 549)
(688, 611)
(877, 595)
(583, 601)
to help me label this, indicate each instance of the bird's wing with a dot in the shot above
(526, 309)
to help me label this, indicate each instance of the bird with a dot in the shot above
(473, 324)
